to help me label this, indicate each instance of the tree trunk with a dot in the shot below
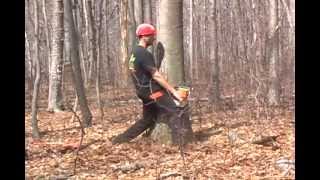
(214, 57)
(138, 11)
(27, 65)
(93, 62)
(274, 86)
(34, 108)
(191, 40)
(67, 49)
(147, 15)
(123, 82)
(85, 46)
(44, 13)
(75, 60)
(99, 61)
(171, 36)
(55, 80)
(131, 27)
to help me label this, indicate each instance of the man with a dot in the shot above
(155, 92)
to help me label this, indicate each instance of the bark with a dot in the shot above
(84, 48)
(28, 51)
(93, 60)
(99, 62)
(28, 63)
(292, 41)
(161, 133)
(67, 57)
(138, 11)
(191, 40)
(47, 33)
(75, 60)
(170, 35)
(34, 108)
(273, 93)
(131, 27)
(124, 43)
(214, 57)
(147, 15)
(55, 80)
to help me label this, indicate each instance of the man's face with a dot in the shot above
(149, 39)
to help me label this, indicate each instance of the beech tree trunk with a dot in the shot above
(55, 80)
(171, 36)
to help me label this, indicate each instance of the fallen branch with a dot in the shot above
(76, 146)
(81, 139)
(127, 167)
(166, 175)
(74, 108)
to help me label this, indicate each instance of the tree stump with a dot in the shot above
(163, 134)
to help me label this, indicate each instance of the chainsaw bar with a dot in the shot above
(159, 54)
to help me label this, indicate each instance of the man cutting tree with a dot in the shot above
(155, 92)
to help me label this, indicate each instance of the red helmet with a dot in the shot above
(145, 29)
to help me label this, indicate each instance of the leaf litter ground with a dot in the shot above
(222, 149)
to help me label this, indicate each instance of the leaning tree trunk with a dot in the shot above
(75, 60)
(274, 88)
(55, 79)
(34, 108)
(171, 36)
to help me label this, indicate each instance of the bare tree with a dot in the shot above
(214, 55)
(93, 59)
(100, 58)
(55, 80)
(76, 75)
(124, 43)
(35, 96)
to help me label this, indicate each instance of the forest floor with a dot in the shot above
(222, 149)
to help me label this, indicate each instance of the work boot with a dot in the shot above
(119, 140)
